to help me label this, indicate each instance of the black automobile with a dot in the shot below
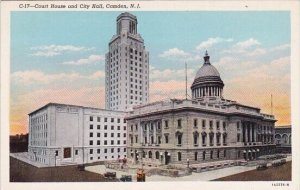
(126, 178)
(110, 175)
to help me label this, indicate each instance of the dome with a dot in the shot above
(207, 82)
(207, 70)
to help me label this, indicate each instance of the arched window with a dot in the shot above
(285, 138)
(278, 138)
(203, 138)
(157, 155)
(150, 154)
(179, 137)
(195, 134)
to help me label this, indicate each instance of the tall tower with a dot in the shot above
(126, 67)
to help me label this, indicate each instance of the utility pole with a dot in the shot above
(185, 81)
(271, 104)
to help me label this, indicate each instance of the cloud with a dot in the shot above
(280, 47)
(170, 74)
(38, 77)
(89, 60)
(247, 44)
(174, 53)
(53, 50)
(210, 42)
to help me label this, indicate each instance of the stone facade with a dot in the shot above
(206, 128)
(283, 138)
(63, 134)
(181, 130)
(126, 67)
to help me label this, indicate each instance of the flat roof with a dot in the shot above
(60, 104)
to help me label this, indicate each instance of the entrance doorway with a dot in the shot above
(167, 158)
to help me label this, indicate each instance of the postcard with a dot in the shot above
(149, 94)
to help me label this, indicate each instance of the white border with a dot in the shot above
(292, 6)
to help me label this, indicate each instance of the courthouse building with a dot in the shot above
(206, 128)
(62, 134)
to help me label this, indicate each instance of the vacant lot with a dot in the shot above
(280, 173)
(23, 172)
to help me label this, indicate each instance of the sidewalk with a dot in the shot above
(23, 156)
(203, 176)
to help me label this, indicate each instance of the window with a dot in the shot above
(136, 139)
(91, 151)
(98, 142)
(112, 135)
(112, 150)
(98, 126)
(98, 119)
(105, 127)
(118, 134)
(124, 142)
(105, 134)
(91, 134)
(105, 150)
(179, 156)
(118, 127)
(111, 142)
(203, 155)
(159, 139)
(98, 134)
(196, 156)
(98, 151)
(124, 135)
(124, 149)
(91, 118)
(118, 142)
(210, 124)
(224, 126)
(124, 128)
(224, 153)
(76, 152)
(179, 138)
(238, 137)
(211, 154)
(195, 139)
(105, 119)
(218, 124)
(238, 125)
(167, 139)
(105, 142)
(91, 126)
(195, 122)
(179, 122)
(203, 123)
(119, 120)
(67, 152)
(112, 120)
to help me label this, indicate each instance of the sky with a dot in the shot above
(60, 57)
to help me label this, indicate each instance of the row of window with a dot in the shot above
(112, 142)
(98, 151)
(106, 119)
(105, 135)
(106, 127)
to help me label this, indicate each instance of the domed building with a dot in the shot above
(207, 84)
(206, 128)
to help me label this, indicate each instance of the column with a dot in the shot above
(246, 132)
(148, 133)
(154, 132)
(250, 131)
(255, 132)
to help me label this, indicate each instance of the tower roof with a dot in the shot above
(207, 69)
(126, 14)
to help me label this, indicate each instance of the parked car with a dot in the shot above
(110, 175)
(262, 166)
(126, 178)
